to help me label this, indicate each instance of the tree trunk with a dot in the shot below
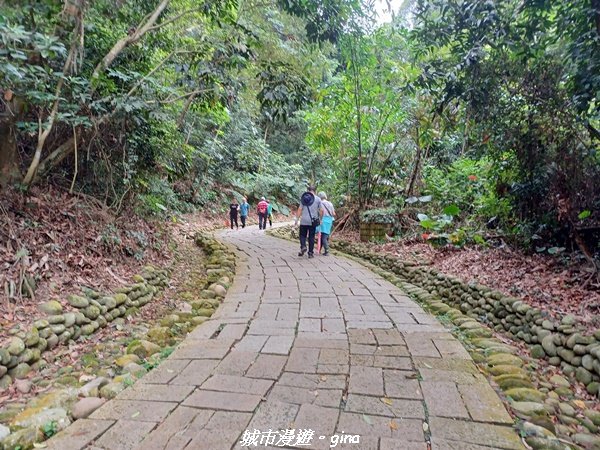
(415, 172)
(9, 157)
(9, 163)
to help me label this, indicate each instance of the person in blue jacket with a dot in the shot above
(244, 208)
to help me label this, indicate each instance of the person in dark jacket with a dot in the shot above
(233, 213)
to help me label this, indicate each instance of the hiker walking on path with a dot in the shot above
(327, 218)
(244, 208)
(270, 214)
(261, 209)
(233, 213)
(308, 214)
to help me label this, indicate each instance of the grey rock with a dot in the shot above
(20, 371)
(58, 415)
(4, 431)
(568, 320)
(111, 390)
(23, 438)
(77, 301)
(547, 325)
(4, 356)
(16, 346)
(23, 386)
(587, 362)
(583, 375)
(86, 406)
(51, 308)
(56, 319)
(548, 345)
(92, 388)
(70, 319)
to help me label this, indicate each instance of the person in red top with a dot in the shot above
(262, 209)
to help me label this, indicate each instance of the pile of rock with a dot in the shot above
(552, 417)
(86, 314)
(563, 343)
(54, 411)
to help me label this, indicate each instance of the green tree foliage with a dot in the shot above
(154, 102)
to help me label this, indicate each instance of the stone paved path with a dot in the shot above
(321, 344)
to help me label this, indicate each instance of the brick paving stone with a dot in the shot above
(237, 362)
(369, 324)
(274, 414)
(402, 384)
(267, 366)
(312, 381)
(178, 429)
(325, 335)
(227, 401)
(195, 373)
(451, 349)
(251, 343)
(392, 350)
(388, 337)
(362, 337)
(125, 434)
(366, 380)
(392, 362)
(135, 410)
(318, 418)
(156, 392)
(165, 372)
(483, 403)
(421, 346)
(458, 365)
(299, 396)
(344, 443)
(452, 375)
(443, 399)
(362, 349)
(333, 368)
(222, 420)
(399, 444)
(443, 444)
(280, 345)
(384, 427)
(230, 383)
(307, 324)
(333, 356)
(211, 439)
(202, 349)
(384, 406)
(79, 434)
(333, 325)
(303, 360)
(475, 433)
(362, 360)
(233, 331)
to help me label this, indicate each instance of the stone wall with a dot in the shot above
(80, 316)
(562, 342)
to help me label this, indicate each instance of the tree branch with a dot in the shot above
(121, 44)
(173, 19)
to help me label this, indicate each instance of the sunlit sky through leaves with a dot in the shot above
(384, 13)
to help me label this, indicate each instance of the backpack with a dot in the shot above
(262, 207)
